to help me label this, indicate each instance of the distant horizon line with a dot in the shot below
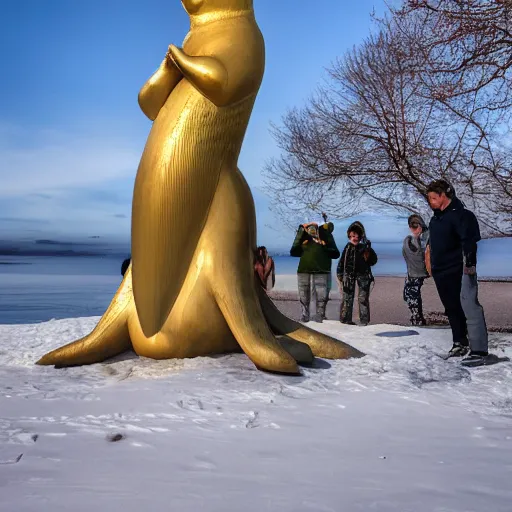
(50, 245)
(92, 247)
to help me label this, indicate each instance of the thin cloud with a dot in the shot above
(58, 161)
(17, 220)
(43, 196)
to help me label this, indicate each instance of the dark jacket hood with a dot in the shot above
(358, 228)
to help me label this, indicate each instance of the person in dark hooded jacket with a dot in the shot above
(454, 233)
(413, 251)
(316, 248)
(354, 267)
(264, 267)
(125, 265)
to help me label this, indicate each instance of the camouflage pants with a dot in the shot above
(347, 285)
(321, 284)
(412, 296)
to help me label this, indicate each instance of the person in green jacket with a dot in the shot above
(316, 248)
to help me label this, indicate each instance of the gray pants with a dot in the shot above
(321, 284)
(474, 313)
(348, 286)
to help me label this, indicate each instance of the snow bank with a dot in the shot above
(398, 430)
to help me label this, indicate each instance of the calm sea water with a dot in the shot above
(39, 288)
(494, 259)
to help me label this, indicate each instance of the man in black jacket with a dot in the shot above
(454, 233)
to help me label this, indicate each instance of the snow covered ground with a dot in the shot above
(399, 430)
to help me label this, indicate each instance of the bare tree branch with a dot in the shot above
(466, 49)
(372, 136)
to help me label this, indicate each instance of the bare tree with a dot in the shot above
(491, 186)
(466, 44)
(466, 65)
(370, 136)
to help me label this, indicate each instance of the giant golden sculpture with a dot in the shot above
(190, 289)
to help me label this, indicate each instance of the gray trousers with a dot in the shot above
(321, 284)
(474, 313)
(348, 287)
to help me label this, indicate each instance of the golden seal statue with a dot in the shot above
(191, 289)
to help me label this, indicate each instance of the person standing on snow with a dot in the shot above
(354, 267)
(316, 248)
(413, 251)
(454, 234)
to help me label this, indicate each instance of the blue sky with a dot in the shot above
(71, 132)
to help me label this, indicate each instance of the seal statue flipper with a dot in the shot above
(238, 301)
(230, 273)
(108, 339)
(207, 74)
(156, 90)
(321, 344)
(241, 309)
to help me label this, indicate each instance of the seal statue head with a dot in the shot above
(195, 7)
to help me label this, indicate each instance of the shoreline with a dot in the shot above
(388, 307)
(483, 279)
(287, 283)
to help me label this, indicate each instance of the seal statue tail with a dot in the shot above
(109, 338)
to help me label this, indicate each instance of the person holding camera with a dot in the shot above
(354, 267)
(316, 248)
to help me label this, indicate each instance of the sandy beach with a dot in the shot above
(387, 305)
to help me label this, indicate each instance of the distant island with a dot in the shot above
(48, 242)
(49, 247)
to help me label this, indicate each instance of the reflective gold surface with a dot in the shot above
(191, 288)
